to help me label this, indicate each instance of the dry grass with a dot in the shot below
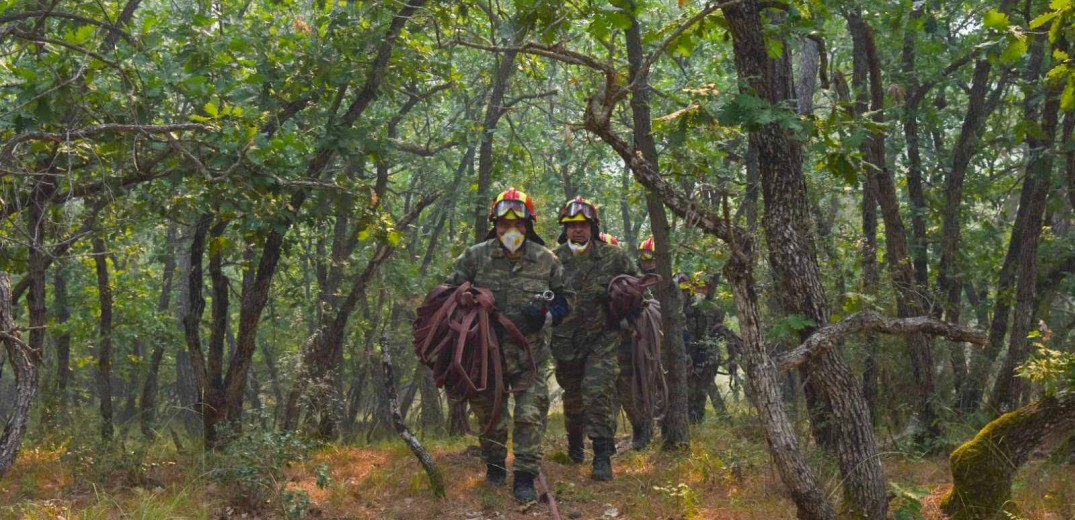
(727, 475)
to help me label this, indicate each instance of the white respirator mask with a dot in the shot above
(577, 248)
(512, 240)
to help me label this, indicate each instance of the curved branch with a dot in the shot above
(80, 133)
(824, 338)
(14, 17)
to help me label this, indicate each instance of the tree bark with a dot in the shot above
(494, 109)
(915, 191)
(149, 389)
(910, 300)
(63, 339)
(1007, 388)
(104, 346)
(984, 467)
(25, 360)
(674, 427)
(793, 260)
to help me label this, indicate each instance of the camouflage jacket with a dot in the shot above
(515, 283)
(587, 276)
(703, 327)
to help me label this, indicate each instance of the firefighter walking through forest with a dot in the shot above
(527, 281)
(585, 346)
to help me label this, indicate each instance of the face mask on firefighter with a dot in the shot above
(512, 240)
(576, 247)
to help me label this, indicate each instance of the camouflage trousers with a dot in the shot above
(701, 384)
(624, 387)
(589, 383)
(529, 419)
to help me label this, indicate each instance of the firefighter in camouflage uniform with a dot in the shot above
(585, 347)
(704, 337)
(527, 281)
(641, 424)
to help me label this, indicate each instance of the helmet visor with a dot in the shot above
(511, 209)
(580, 208)
(646, 256)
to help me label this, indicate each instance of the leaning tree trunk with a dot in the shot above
(104, 347)
(25, 360)
(983, 468)
(792, 257)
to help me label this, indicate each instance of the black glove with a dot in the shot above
(533, 318)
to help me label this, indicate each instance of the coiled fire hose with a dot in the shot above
(454, 335)
(648, 387)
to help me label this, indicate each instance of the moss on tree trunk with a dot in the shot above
(983, 468)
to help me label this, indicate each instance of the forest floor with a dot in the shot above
(727, 475)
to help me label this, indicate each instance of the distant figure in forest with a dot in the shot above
(705, 337)
(586, 346)
(647, 259)
(527, 281)
(641, 422)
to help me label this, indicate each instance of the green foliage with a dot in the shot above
(1053, 369)
(253, 469)
(908, 502)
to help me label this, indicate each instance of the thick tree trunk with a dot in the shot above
(25, 360)
(63, 339)
(104, 346)
(792, 258)
(674, 427)
(984, 467)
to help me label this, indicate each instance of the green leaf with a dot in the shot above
(1067, 97)
(1015, 50)
(1060, 5)
(1043, 19)
(82, 35)
(996, 20)
(1060, 55)
(211, 109)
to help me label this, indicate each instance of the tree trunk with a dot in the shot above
(104, 346)
(63, 339)
(792, 257)
(910, 300)
(984, 467)
(915, 191)
(432, 413)
(674, 427)
(948, 276)
(1007, 388)
(494, 109)
(149, 389)
(25, 360)
(764, 383)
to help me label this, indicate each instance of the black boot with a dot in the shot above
(602, 459)
(641, 434)
(523, 487)
(496, 475)
(576, 448)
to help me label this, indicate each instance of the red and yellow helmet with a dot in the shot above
(683, 280)
(513, 204)
(579, 209)
(646, 250)
(608, 239)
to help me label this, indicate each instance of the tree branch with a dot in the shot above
(14, 17)
(825, 338)
(60, 137)
(554, 51)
